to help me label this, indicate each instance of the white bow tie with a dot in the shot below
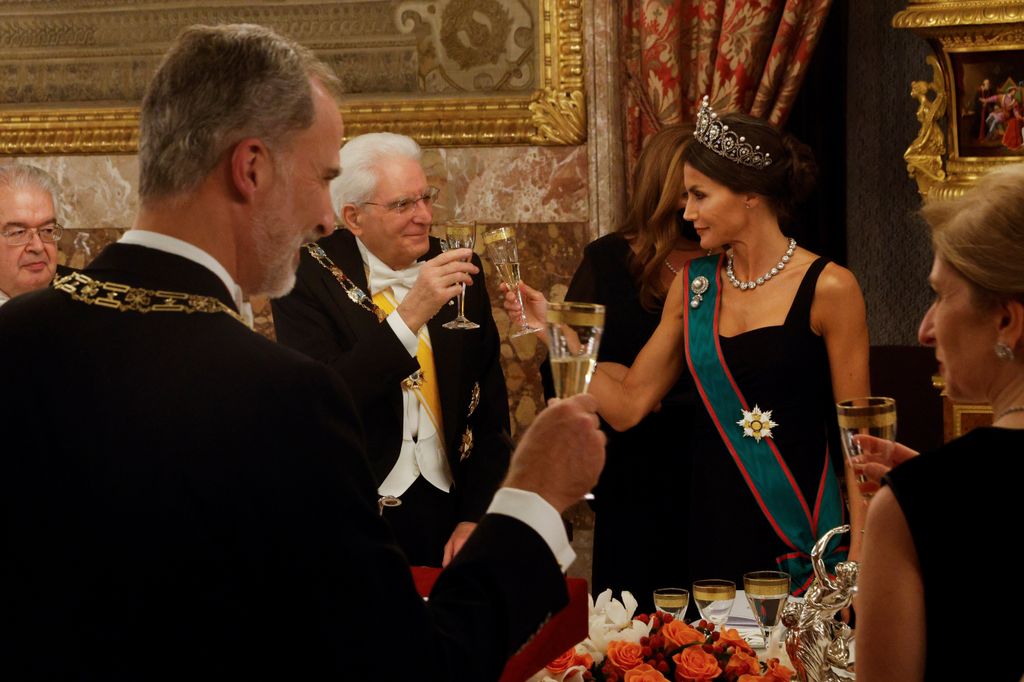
(400, 281)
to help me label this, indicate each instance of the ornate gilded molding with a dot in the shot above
(99, 51)
(925, 14)
(924, 155)
(950, 152)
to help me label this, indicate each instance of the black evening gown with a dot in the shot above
(962, 506)
(785, 369)
(641, 504)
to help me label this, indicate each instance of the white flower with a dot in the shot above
(609, 620)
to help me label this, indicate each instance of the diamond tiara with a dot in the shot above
(717, 137)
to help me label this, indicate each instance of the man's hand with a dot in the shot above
(562, 453)
(456, 541)
(440, 279)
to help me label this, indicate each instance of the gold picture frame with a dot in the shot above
(109, 46)
(974, 42)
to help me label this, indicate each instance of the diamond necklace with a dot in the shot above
(1009, 410)
(743, 286)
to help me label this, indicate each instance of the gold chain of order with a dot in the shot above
(122, 297)
(352, 290)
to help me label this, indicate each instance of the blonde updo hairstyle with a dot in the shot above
(981, 234)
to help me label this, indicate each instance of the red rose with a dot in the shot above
(625, 655)
(695, 664)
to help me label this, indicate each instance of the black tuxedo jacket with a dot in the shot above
(182, 498)
(320, 320)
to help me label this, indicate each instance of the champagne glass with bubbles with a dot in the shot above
(504, 253)
(460, 235)
(874, 416)
(575, 332)
(714, 598)
(767, 592)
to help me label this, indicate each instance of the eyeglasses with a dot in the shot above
(19, 236)
(406, 204)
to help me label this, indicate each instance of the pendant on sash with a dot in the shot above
(757, 424)
(414, 380)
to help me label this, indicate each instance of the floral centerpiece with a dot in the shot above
(657, 648)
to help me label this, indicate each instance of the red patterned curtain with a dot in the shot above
(747, 55)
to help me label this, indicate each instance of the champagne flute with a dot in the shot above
(767, 592)
(575, 332)
(714, 598)
(501, 247)
(460, 235)
(672, 600)
(874, 416)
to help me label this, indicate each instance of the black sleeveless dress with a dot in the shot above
(784, 369)
(640, 501)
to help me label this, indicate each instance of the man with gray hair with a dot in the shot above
(29, 230)
(200, 505)
(433, 400)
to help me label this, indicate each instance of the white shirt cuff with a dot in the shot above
(535, 512)
(403, 333)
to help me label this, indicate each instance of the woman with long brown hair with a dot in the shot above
(639, 499)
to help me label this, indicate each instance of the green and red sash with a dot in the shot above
(759, 461)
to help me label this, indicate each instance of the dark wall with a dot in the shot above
(887, 246)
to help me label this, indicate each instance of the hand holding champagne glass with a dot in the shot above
(767, 592)
(872, 416)
(714, 598)
(575, 333)
(460, 235)
(504, 253)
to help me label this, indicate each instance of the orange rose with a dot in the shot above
(695, 664)
(562, 663)
(778, 672)
(677, 634)
(731, 637)
(742, 664)
(644, 673)
(625, 655)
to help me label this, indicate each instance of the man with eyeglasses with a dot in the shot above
(433, 400)
(195, 501)
(29, 230)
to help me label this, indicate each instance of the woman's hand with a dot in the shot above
(534, 305)
(877, 457)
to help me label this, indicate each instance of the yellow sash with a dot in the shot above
(426, 392)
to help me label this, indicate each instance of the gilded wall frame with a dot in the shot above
(56, 39)
(972, 40)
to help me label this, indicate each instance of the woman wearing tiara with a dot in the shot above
(773, 336)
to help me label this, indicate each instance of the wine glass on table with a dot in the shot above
(872, 416)
(767, 592)
(672, 600)
(460, 235)
(504, 253)
(575, 333)
(714, 598)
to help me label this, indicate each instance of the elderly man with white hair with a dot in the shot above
(371, 304)
(29, 230)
